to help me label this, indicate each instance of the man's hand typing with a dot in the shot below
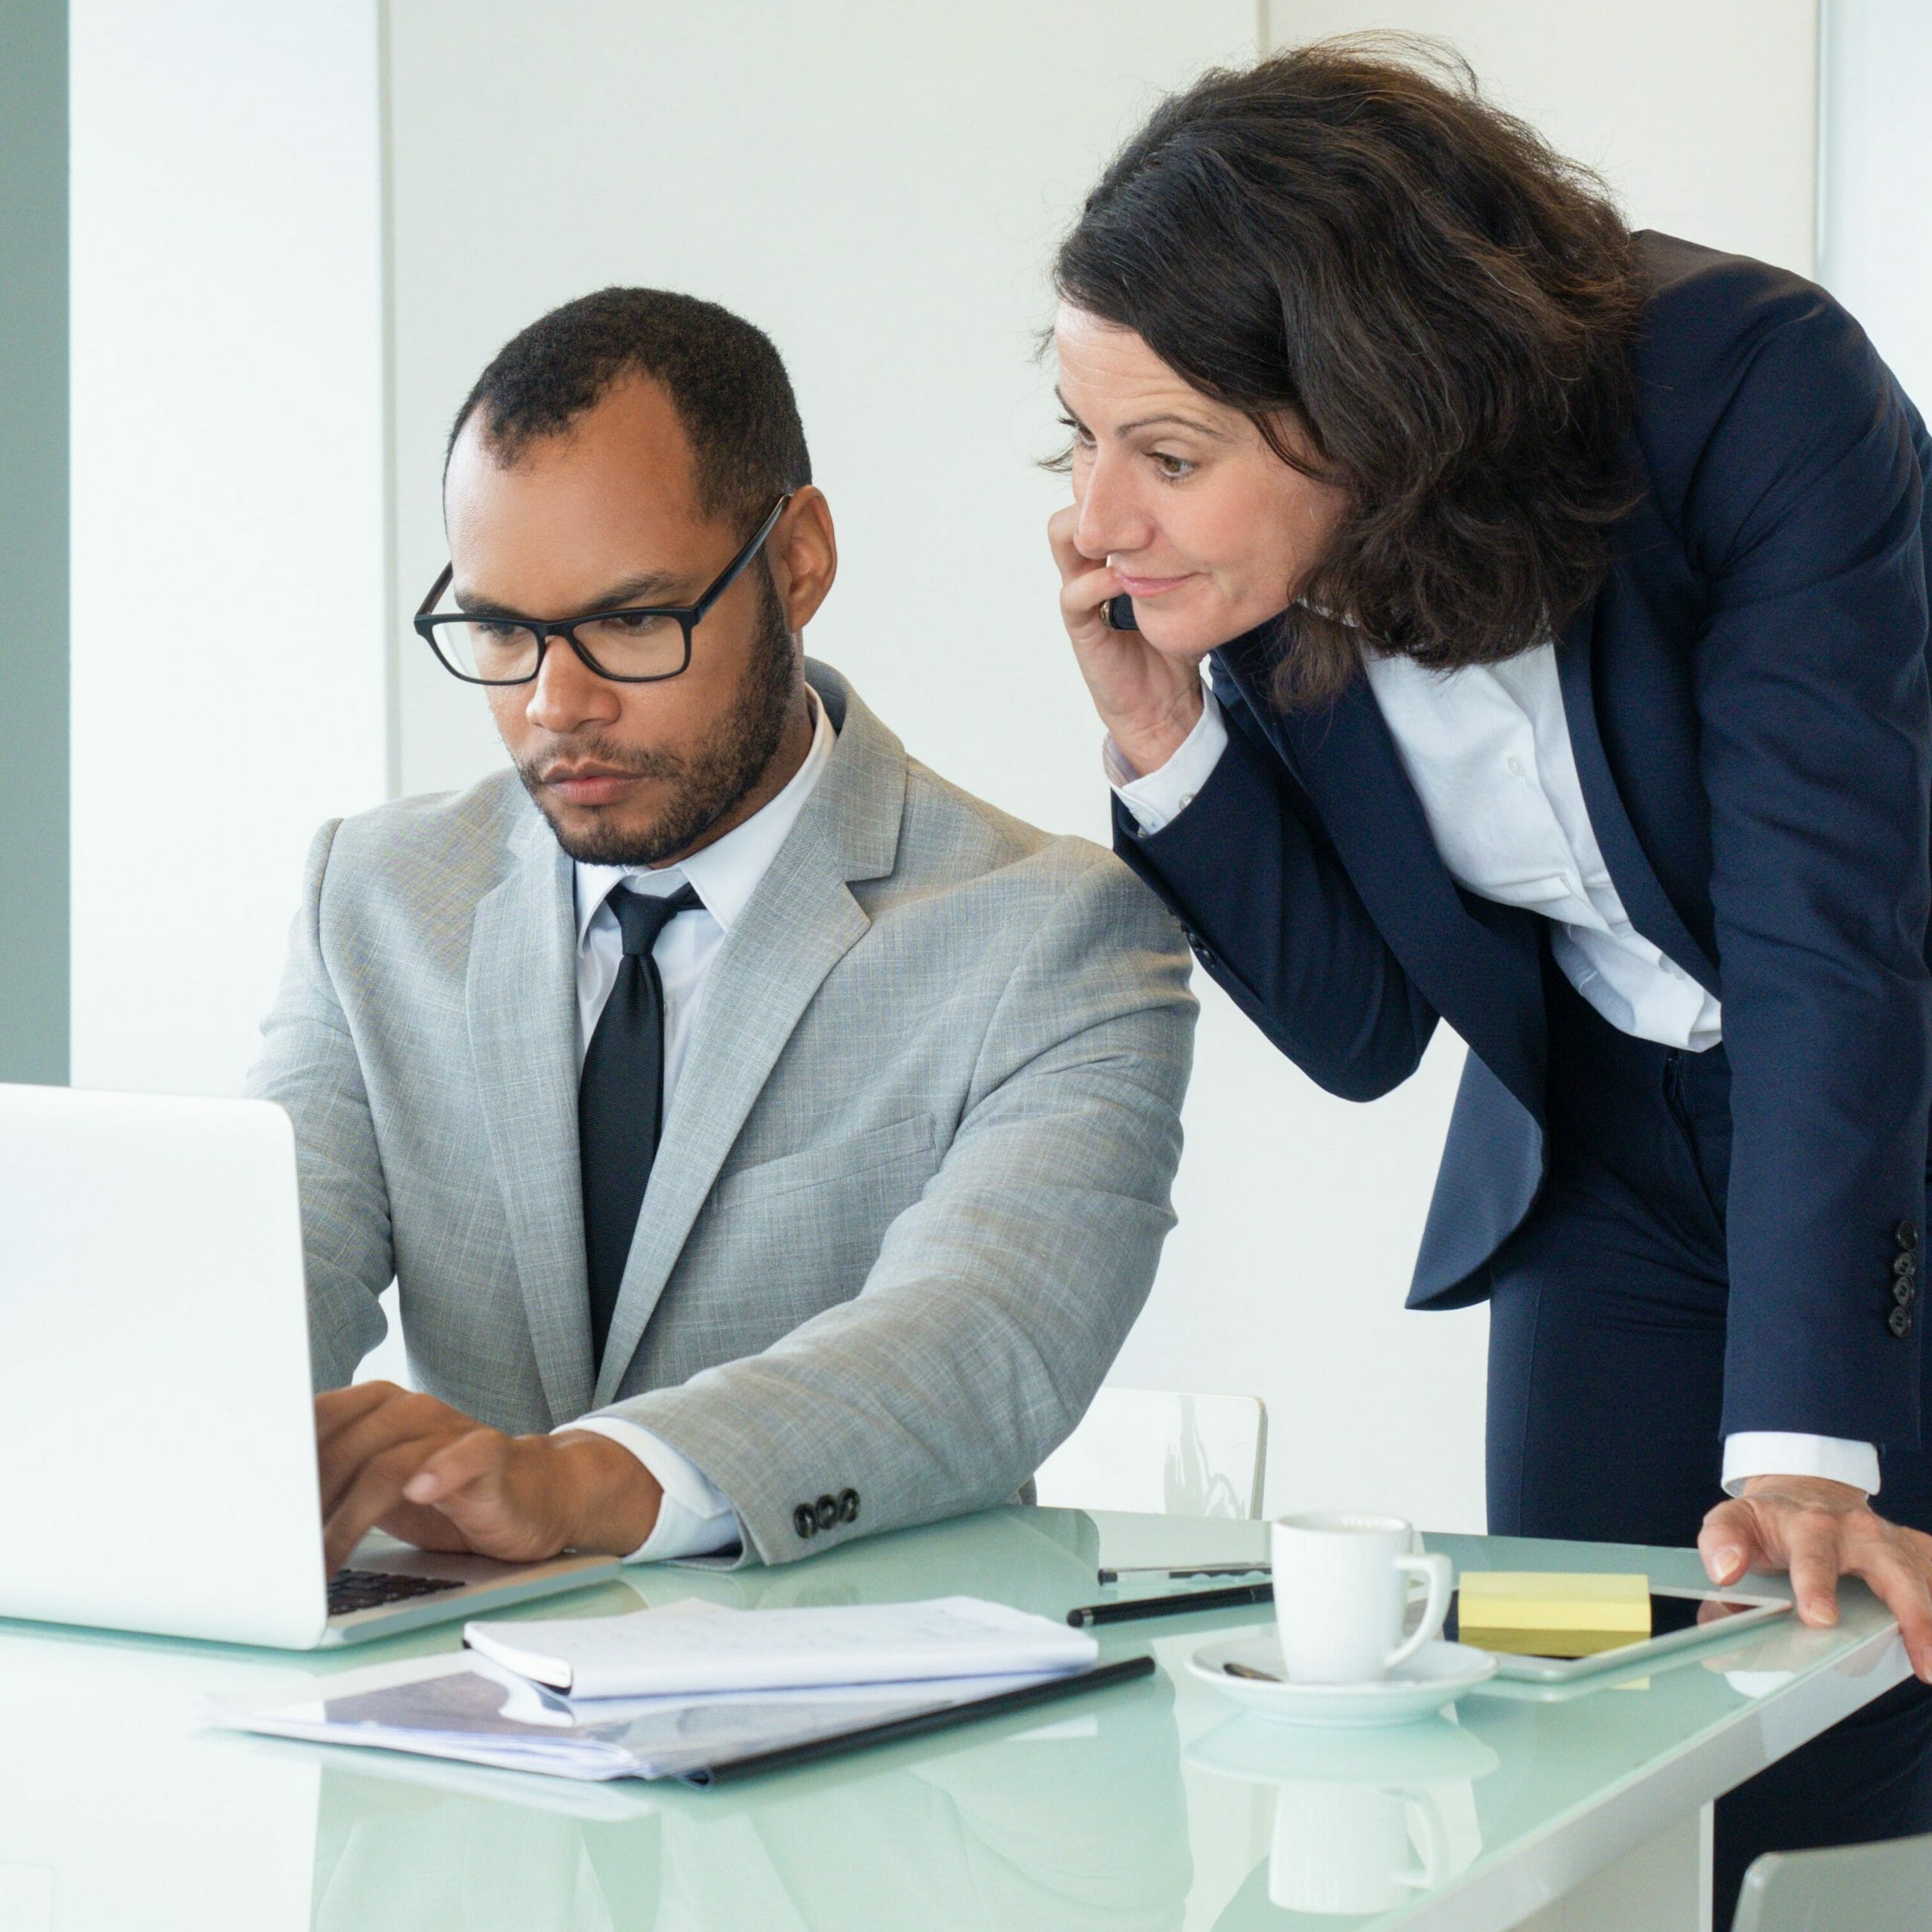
(395, 1460)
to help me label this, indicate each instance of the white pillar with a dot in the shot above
(229, 645)
(1874, 230)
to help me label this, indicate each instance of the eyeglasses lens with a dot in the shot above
(505, 653)
(635, 647)
(497, 653)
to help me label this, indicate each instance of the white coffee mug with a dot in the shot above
(1341, 1590)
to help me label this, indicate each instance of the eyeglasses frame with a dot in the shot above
(688, 617)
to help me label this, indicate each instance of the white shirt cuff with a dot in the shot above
(1156, 798)
(1766, 1452)
(695, 1519)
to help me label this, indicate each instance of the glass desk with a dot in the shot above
(1152, 1805)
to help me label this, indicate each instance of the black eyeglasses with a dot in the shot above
(628, 647)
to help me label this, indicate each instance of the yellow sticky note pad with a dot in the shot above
(1549, 1613)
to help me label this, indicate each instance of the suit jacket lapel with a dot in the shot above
(1645, 898)
(522, 998)
(1480, 970)
(800, 923)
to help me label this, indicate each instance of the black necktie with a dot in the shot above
(620, 1099)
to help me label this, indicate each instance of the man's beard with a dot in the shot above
(709, 783)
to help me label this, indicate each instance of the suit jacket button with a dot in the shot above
(804, 1519)
(1900, 1323)
(1905, 1266)
(1905, 1293)
(827, 1513)
(848, 1506)
(1906, 1234)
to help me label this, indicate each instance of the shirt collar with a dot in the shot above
(726, 873)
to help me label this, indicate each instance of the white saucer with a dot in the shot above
(1432, 1679)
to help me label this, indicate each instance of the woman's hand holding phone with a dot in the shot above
(1148, 698)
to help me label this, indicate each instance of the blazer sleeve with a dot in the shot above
(1274, 918)
(1810, 680)
(307, 1066)
(999, 1298)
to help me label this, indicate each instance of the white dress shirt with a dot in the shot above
(1488, 750)
(696, 1517)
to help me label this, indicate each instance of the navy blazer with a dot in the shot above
(1747, 695)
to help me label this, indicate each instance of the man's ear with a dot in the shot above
(803, 550)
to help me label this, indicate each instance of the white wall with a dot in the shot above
(1875, 227)
(880, 186)
(229, 531)
(1700, 114)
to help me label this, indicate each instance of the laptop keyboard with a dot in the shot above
(364, 1589)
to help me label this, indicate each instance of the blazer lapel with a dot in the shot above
(522, 999)
(1482, 973)
(801, 922)
(1637, 883)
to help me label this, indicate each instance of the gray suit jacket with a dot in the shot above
(912, 1188)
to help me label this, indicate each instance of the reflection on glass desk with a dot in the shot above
(1152, 1805)
(1363, 1819)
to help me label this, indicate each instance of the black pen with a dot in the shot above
(1179, 1605)
(1188, 1569)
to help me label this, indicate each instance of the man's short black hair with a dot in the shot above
(724, 377)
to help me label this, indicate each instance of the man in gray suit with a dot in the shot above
(770, 1142)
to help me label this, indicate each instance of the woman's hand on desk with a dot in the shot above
(407, 1463)
(1820, 1530)
(1149, 700)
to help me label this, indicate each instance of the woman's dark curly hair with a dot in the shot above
(1348, 236)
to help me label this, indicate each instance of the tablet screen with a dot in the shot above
(1668, 1615)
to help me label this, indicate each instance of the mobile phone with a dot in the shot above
(1120, 614)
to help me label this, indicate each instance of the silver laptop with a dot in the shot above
(157, 1432)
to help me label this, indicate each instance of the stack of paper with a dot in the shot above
(699, 1648)
(1552, 1614)
(720, 1687)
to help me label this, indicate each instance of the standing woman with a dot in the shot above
(1562, 595)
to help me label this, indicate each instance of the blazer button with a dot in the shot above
(1906, 1234)
(804, 1519)
(1900, 1323)
(1905, 1293)
(848, 1506)
(827, 1513)
(1905, 1266)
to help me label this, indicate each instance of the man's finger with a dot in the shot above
(1728, 1542)
(1899, 1580)
(406, 1416)
(454, 1467)
(377, 1490)
(337, 1409)
(1814, 1564)
(492, 1488)
(357, 1447)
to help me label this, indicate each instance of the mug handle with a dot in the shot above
(1432, 1831)
(1437, 1569)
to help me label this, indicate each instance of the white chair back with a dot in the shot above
(1883, 1887)
(1164, 1453)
